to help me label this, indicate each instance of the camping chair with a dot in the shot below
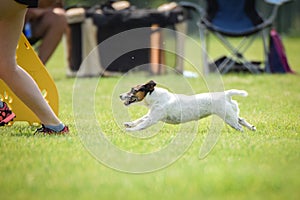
(238, 19)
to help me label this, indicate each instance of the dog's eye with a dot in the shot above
(134, 90)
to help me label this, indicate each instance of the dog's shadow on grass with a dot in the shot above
(23, 130)
(28, 131)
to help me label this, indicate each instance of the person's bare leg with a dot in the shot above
(50, 27)
(11, 23)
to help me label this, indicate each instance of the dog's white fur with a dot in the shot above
(178, 108)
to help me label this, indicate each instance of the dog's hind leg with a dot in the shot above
(233, 123)
(243, 122)
(232, 120)
(231, 116)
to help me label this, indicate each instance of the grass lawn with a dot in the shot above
(252, 165)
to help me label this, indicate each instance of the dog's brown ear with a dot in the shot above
(151, 83)
(150, 86)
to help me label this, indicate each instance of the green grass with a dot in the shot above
(252, 165)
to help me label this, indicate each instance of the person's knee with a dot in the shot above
(60, 18)
(7, 68)
(59, 11)
(56, 19)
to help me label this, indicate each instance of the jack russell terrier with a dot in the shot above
(178, 108)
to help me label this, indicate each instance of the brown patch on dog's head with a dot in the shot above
(138, 93)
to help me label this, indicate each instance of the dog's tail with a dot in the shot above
(233, 92)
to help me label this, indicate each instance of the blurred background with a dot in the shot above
(287, 21)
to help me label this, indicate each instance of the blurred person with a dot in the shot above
(46, 23)
(12, 15)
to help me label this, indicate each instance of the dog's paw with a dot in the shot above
(253, 128)
(128, 124)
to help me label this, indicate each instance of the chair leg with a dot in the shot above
(180, 40)
(251, 67)
(265, 37)
(156, 37)
(226, 65)
(237, 54)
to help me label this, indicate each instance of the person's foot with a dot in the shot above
(46, 130)
(6, 115)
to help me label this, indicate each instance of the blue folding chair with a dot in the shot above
(233, 18)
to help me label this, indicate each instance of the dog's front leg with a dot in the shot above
(144, 124)
(153, 116)
(135, 122)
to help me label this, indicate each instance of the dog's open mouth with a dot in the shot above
(129, 100)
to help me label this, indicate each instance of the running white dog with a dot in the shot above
(178, 108)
